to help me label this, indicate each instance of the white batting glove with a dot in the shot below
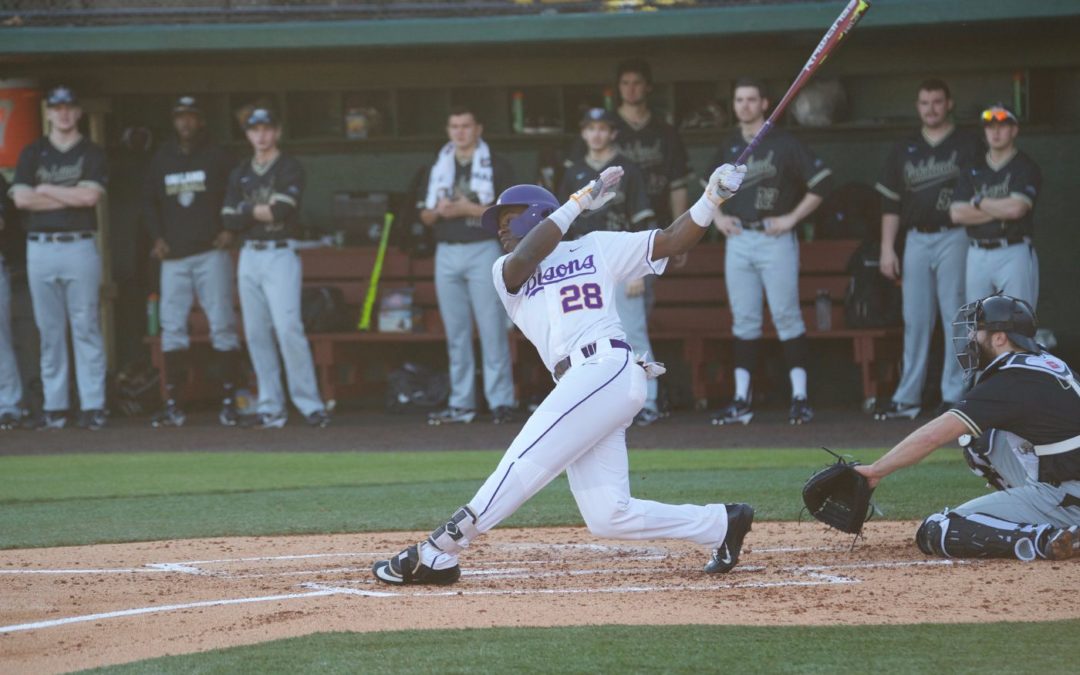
(600, 191)
(725, 182)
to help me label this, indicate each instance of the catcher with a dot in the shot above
(1019, 425)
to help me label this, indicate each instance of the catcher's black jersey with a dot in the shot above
(279, 185)
(920, 177)
(629, 211)
(1019, 178)
(81, 165)
(779, 173)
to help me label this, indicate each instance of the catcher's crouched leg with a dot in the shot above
(433, 561)
(978, 535)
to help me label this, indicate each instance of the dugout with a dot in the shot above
(394, 78)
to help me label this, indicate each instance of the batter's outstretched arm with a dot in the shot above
(690, 227)
(678, 237)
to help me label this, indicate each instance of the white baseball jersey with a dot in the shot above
(569, 301)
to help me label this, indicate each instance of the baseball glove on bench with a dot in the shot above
(839, 496)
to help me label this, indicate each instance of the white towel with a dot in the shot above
(481, 179)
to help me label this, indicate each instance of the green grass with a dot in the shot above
(954, 648)
(80, 499)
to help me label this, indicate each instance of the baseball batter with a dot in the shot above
(58, 181)
(262, 203)
(785, 182)
(1020, 429)
(995, 201)
(184, 191)
(917, 186)
(560, 295)
(628, 211)
(11, 394)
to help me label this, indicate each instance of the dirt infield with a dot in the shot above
(77, 607)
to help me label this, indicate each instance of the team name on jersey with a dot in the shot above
(760, 169)
(61, 174)
(997, 189)
(931, 171)
(557, 273)
(185, 181)
(642, 154)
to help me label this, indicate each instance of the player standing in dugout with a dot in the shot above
(784, 184)
(917, 186)
(59, 179)
(628, 211)
(184, 191)
(11, 391)
(995, 201)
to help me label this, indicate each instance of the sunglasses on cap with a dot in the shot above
(996, 114)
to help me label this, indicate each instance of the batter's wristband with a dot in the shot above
(702, 211)
(565, 214)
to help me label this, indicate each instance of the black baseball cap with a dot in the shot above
(599, 115)
(61, 95)
(261, 116)
(186, 104)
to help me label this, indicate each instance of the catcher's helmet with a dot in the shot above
(1005, 313)
(539, 204)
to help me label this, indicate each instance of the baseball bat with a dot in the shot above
(376, 272)
(841, 27)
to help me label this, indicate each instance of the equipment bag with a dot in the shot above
(871, 300)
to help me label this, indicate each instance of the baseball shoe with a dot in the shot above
(724, 558)
(93, 420)
(502, 414)
(9, 421)
(319, 419)
(1060, 543)
(452, 416)
(171, 416)
(51, 419)
(405, 568)
(229, 416)
(801, 412)
(647, 416)
(897, 411)
(737, 412)
(264, 420)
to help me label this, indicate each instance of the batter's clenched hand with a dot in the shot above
(600, 191)
(725, 182)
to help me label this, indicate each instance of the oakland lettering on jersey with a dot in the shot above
(61, 174)
(931, 171)
(557, 273)
(186, 181)
(760, 169)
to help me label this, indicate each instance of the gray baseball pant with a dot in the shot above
(10, 383)
(64, 284)
(208, 276)
(633, 313)
(757, 265)
(933, 284)
(466, 292)
(269, 283)
(1012, 270)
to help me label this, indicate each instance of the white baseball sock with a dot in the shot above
(798, 382)
(742, 384)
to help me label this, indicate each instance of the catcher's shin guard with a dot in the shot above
(456, 533)
(952, 535)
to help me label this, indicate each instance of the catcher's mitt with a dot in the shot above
(839, 496)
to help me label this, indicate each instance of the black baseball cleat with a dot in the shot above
(737, 412)
(897, 411)
(405, 569)
(319, 419)
(724, 558)
(452, 416)
(801, 412)
(502, 414)
(171, 416)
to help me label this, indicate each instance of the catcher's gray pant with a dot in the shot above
(465, 292)
(10, 383)
(209, 276)
(269, 283)
(580, 428)
(64, 284)
(933, 284)
(1012, 270)
(633, 313)
(755, 263)
(1026, 500)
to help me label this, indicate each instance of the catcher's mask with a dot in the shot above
(1003, 313)
(538, 203)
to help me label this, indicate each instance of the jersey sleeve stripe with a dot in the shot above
(91, 184)
(679, 183)
(649, 253)
(279, 197)
(642, 215)
(228, 211)
(818, 177)
(886, 192)
(1022, 197)
(968, 422)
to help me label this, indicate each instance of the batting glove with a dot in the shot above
(725, 182)
(600, 191)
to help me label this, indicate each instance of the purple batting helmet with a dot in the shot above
(539, 204)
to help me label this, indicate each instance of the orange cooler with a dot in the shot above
(20, 118)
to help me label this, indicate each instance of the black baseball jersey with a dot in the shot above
(658, 152)
(466, 230)
(279, 185)
(183, 195)
(919, 177)
(779, 173)
(629, 211)
(1035, 396)
(81, 165)
(1019, 177)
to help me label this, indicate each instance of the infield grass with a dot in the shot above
(928, 648)
(93, 498)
